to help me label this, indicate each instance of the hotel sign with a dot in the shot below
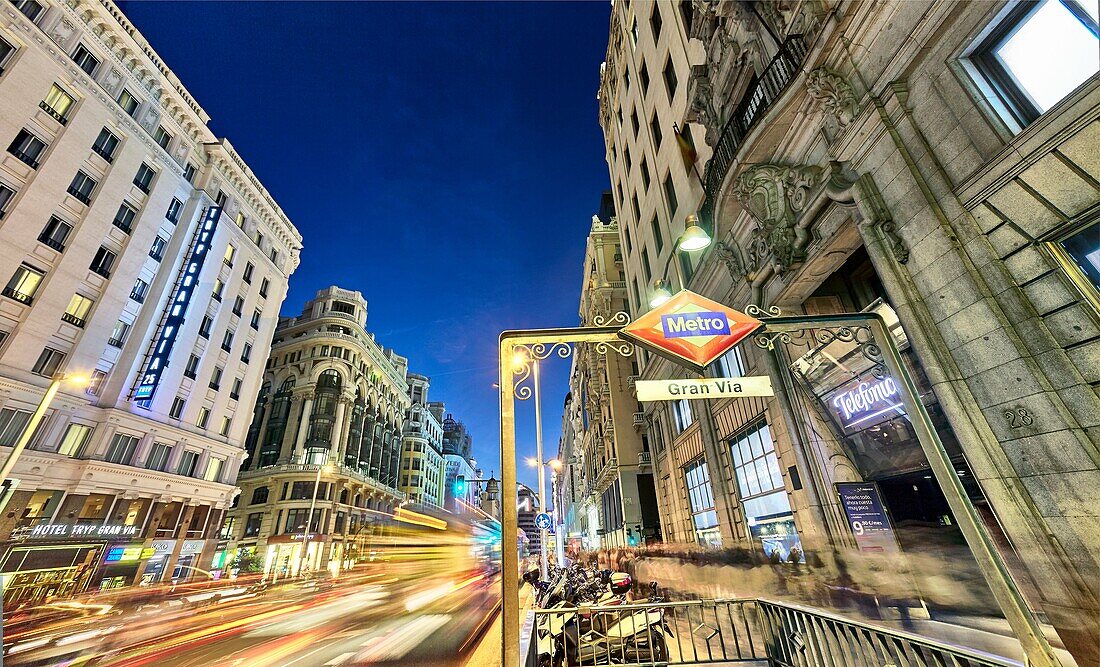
(690, 329)
(67, 530)
(674, 390)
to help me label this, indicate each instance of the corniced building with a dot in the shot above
(422, 472)
(331, 407)
(568, 494)
(141, 252)
(611, 465)
(934, 163)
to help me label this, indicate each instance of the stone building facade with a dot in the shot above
(140, 251)
(902, 158)
(422, 469)
(332, 406)
(607, 466)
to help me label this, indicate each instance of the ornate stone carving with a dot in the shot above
(776, 195)
(112, 79)
(150, 118)
(835, 94)
(62, 31)
(701, 108)
(877, 214)
(730, 255)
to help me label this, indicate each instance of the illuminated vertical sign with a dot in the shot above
(161, 349)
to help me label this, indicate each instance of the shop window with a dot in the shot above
(1035, 55)
(704, 518)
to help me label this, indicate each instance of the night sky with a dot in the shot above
(443, 159)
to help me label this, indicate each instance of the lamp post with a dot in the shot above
(323, 467)
(554, 465)
(25, 437)
(694, 238)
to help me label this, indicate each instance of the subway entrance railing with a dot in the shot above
(738, 631)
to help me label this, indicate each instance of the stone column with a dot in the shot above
(142, 451)
(303, 429)
(365, 439)
(338, 427)
(289, 445)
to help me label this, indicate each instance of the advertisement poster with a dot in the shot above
(867, 517)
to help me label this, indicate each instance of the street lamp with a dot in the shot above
(25, 437)
(554, 465)
(693, 239)
(694, 236)
(323, 467)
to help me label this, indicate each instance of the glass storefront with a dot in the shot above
(763, 496)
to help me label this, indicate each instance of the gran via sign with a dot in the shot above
(673, 390)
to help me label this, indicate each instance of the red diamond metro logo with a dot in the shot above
(690, 329)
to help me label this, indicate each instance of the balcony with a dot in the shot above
(50, 242)
(53, 112)
(18, 296)
(124, 227)
(116, 342)
(639, 418)
(645, 459)
(84, 198)
(26, 159)
(101, 270)
(103, 153)
(757, 100)
(73, 320)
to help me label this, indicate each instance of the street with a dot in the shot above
(366, 619)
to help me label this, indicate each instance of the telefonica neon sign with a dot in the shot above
(867, 401)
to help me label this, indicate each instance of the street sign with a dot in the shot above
(690, 329)
(675, 390)
(542, 521)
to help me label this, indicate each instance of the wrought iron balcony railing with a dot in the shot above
(757, 100)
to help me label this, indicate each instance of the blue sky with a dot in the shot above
(444, 159)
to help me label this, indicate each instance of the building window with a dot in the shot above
(173, 212)
(1083, 249)
(163, 138)
(48, 362)
(95, 383)
(655, 130)
(189, 172)
(122, 448)
(57, 103)
(238, 305)
(645, 265)
(248, 270)
(156, 251)
(118, 335)
(85, 60)
(24, 284)
(204, 326)
(227, 340)
(246, 353)
(188, 462)
(731, 364)
(230, 253)
(82, 187)
(634, 31)
(670, 78)
(643, 74)
(6, 195)
(704, 518)
(192, 368)
(74, 440)
(216, 378)
(144, 177)
(140, 289)
(637, 209)
(264, 285)
(762, 494)
(6, 50)
(214, 469)
(204, 417)
(102, 262)
(655, 22)
(105, 145)
(128, 102)
(670, 194)
(176, 410)
(645, 175)
(252, 525)
(657, 236)
(235, 392)
(12, 423)
(77, 312)
(158, 457)
(29, 8)
(28, 148)
(256, 315)
(1037, 55)
(681, 409)
(259, 495)
(296, 520)
(55, 234)
(124, 219)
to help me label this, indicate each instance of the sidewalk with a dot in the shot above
(487, 653)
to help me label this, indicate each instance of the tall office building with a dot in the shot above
(331, 408)
(141, 252)
(422, 472)
(901, 158)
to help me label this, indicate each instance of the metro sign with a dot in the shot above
(690, 329)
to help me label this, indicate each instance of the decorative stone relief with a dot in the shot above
(776, 195)
(150, 118)
(112, 79)
(835, 94)
(701, 108)
(730, 255)
(62, 31)
(877, 214)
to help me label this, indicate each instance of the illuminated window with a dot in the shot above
(128, 102)
(230, 253)
(1037, 54)
(77, 312)
(214, 468)
(204, 417)
(57, 102)
(95, 385)
(173, 212)
(74, 440)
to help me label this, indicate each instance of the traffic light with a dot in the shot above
(460, 485)
(630, 538)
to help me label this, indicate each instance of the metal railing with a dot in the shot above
(757, 100)
(743, 630)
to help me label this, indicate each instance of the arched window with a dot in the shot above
(287, 384)
(322, 418)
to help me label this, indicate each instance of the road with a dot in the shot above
(370, 620)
